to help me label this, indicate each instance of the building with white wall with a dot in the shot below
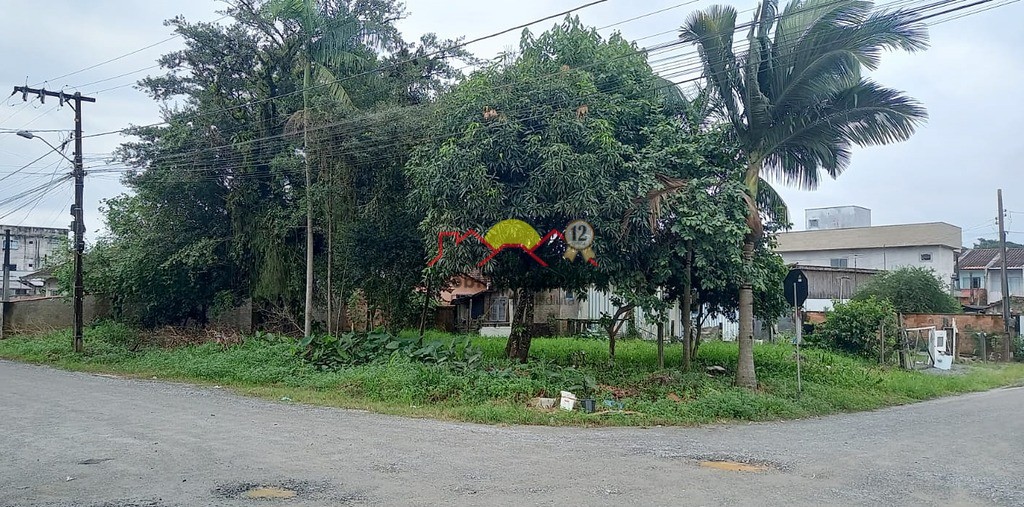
(32, 247)
(837, 217)
(886, 247)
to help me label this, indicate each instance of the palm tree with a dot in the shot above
(322, 40)
(797, 102)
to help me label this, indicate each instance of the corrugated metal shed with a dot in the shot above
(930, 234)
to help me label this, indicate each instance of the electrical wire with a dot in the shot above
(660, 47)
(363, 118)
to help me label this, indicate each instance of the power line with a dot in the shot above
(116, 58)
(658, 47)
(238, 157)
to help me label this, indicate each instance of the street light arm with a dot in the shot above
(28, 135)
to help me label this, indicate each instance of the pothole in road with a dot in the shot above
(734, 466)
(268, 493)
(285, 490)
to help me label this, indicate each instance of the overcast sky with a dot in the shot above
(949, 171)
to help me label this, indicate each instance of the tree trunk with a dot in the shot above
(745, 375)
(423, 312)
(661, 345)
(518, 346)
(688, 309)
(698, 331)
(330, 256)
(308, 328)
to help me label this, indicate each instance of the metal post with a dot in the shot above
(799, 338)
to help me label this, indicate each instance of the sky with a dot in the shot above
(949, 171)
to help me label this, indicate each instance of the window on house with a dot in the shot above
(14, 243)
(499, 309)
(926, 257)
(812, 223)
(975, 282)
(20, 292)
(31, 242)
(840, 263)
(14, 267)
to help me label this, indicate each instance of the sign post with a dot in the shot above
(795, 289)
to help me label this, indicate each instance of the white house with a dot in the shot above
(981, 278)
(933, 245)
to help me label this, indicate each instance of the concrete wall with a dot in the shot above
(839, 217)
(942, 259)
(50, 314)
(238, 319)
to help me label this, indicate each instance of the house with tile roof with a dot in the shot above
(979, 275)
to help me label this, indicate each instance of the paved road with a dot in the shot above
(158, 444)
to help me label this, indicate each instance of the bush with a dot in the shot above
(853, 327)
(357, 348)
(910, 290)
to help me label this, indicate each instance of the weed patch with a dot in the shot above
(439, 382)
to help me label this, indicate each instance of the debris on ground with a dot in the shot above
(716, 370)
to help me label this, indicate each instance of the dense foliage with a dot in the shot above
(910, 290)
(797, 100)
(866, 327)
(310, 157)
(351, 349)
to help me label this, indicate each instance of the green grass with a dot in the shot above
(499, 391)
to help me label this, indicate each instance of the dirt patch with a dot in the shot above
(733, 466)
(286, 490)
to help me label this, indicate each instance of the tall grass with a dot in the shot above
(499, 390)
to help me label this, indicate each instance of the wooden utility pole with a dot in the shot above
(1003, 276)
(75, 101)
(7, 279)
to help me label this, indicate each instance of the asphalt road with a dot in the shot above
(80, 439)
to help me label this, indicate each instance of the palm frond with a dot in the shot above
(771, 203)
(865, 114)
(712, 31)
(671, 93)
(828, 54)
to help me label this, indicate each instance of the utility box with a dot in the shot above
(937, 349)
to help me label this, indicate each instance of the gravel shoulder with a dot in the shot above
(79, 439)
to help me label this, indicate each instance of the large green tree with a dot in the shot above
(797, 101)
(223, 171)
(994, 243)
(910, 290)
(547, 135)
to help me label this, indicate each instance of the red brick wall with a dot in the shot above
(967, 324)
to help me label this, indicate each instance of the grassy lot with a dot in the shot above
(498, 391)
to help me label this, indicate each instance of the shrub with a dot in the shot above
(853, 327)
(356, 348)
(910, 290)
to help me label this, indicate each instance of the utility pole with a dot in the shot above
(1003, 276)
(7, 279)
(7, 266)
(75, 101)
